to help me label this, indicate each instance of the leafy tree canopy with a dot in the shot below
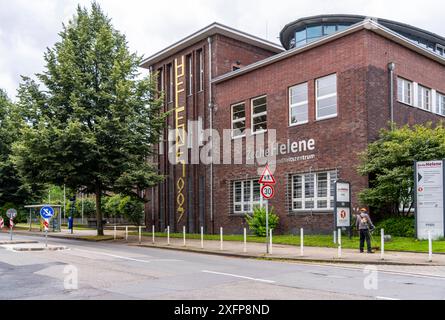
(95, 122)
(389, 162)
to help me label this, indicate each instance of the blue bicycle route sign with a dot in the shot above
(47, 212)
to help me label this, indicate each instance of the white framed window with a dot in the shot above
(326, 93)
(238, 120)
(189, 75)
(313, 191)
(424, 98)
(440, 49)
(200, 70)
(405, 91)
(246, 196)
(440, 103)
(298, 104)
(259, 114)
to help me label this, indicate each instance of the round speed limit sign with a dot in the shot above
(267, 192)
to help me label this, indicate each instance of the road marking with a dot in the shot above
(126, 258)
(385, 298)
(238, 276)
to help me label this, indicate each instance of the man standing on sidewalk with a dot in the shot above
(364, 225)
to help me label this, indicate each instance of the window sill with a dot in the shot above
(238, 137)
(307, 212)
(292, 125)
(239, 215)
(258, 132)
(327, 118)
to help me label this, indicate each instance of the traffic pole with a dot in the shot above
(301, 242)
(382, 244)
(339, 242)
(267, 227)
(153, 234)
(202, 237)
(183, 231)
(222, 238)
(168, 235)
(430, 247)
(245, 240)
(270, 239)
(140, 234)
(126, 233)
(115, 233)
(10, 229)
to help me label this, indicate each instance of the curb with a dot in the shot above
(40, 249)
(65, 237)
(287, 259)
(18, 242)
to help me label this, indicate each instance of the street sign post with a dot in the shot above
(2, 223)
(11, 214)
(429, 186)
(46, 213)
(342, 206)
(267, 181)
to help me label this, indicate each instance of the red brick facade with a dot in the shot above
(359, 60)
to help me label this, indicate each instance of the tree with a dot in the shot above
(389, 162)
(95, 125)
(13, 189)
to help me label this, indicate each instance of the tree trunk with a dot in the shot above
(99, 218)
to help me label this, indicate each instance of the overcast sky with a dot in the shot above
(27, 27)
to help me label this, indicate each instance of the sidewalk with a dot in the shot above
(258, 250)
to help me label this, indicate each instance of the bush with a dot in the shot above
(257, 222)
(132, 209)
(398, 226)
(22, 214)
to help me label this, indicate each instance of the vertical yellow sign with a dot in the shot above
(180, 123)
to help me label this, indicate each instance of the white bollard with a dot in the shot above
(202, 237)
(339, 242)
(115, 236)
(183, 231)
(153, 233)
(270, 237)
(301, 242)
(382, 244)
(222, 238)
(245, 240)
(126, 233)
(430, 247)
(140, 234)
(335, 236)
(168, 235)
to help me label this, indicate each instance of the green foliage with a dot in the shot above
(257, 222)
(94, 126)
(132, 208)
(12, 187)
(22, 214)
(398, 226)
(389, 163)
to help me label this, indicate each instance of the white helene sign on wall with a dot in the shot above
(430, 199)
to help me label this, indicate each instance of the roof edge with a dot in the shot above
(210, 30)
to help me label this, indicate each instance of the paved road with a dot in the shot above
(118, 271)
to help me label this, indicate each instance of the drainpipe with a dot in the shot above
(391, 67)
(209, 40)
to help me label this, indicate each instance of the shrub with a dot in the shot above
(398, 226)
(257, 222)
(132, 209)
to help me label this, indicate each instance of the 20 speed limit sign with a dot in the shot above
(267, 191)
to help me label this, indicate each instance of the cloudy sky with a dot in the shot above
(27, 27)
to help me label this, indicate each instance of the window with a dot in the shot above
(189, 75)
(160, 80)
(326, 93)
(246, 196)
(404, 91)
(313, 191)
(314, 33)
(170, 83)
(424, 98)
(238, 120)
(298, 104)
(200, 70)
(259, 114)
(440, 103)
(440, 49)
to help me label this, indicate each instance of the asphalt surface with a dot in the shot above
(118, 271)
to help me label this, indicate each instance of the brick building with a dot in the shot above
(336, 81)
